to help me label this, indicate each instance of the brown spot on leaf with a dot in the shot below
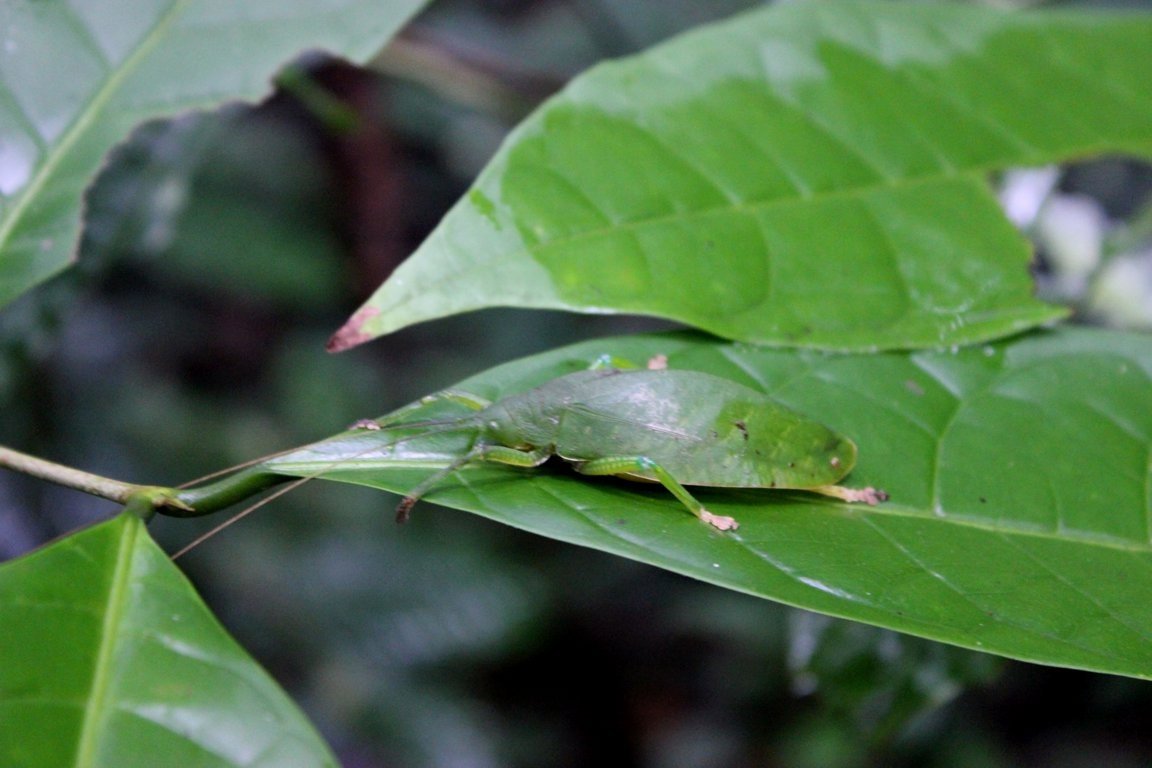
(353, 332)
(740, 425)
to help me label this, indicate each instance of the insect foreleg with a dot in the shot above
(641, 465)
(611, 362)
(608, 362)
(496, 453)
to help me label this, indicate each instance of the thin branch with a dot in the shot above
(68, 477)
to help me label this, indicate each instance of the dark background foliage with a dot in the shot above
(182, 343)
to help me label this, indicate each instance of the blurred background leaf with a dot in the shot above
(75, 78)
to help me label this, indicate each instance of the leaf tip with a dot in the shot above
(352, 333)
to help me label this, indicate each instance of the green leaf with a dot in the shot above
(76, 77)
(810, 175)
(1019, 477)
(111, 659)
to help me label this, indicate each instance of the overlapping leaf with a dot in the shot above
(111, 659)
(810, 175)
(76, 77)
(1019, 475)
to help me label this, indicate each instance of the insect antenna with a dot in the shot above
(242, 465)
(243, 513)
(286, 451)
(439, 426)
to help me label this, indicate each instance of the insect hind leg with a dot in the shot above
(645, 467)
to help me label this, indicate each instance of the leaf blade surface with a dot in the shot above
(113, 660)
(808, 175)
(1019, 474)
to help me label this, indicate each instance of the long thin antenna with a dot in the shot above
(244, 465)
(449, 423)
(240, 515)
(355, 427)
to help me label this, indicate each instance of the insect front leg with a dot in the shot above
(608, 362)
(496, 453)
(641, 465)
(611, 362)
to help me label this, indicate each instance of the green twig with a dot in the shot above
(206, 499)
(144, 498)
(68, 477)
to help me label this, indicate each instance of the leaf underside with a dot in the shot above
(76, 77)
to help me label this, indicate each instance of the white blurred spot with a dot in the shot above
(1024, 191)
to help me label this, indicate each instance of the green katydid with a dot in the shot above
(672, 427)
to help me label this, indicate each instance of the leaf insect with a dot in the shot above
(673, 427)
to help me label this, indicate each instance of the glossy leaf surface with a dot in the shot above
(111, 659)
(76, 77)
(1019, 476)
(808, 175)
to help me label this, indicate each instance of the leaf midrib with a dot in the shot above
(1099, 540)
(96, 708)
(465, 272)
(888, 509)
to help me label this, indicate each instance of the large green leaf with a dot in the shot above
(810, 174)
(1019, 476)
(75, 77)
(111, 659)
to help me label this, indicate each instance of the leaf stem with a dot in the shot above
(146, 499)
(193, 502)
(68, 477)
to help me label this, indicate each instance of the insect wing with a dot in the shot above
(704, 430)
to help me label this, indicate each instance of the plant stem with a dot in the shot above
(189, 502)
(68, 477)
